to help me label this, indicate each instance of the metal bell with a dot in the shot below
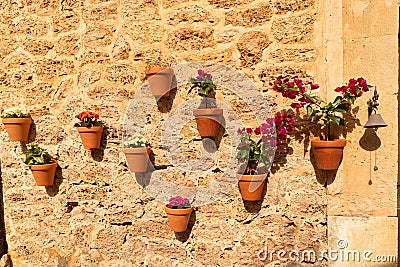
(375, 121)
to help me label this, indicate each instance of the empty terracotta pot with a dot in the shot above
(18, 128)
(160, 81)
(44, 174)
(178, 218)
(328, 154)
(137, 158)
(208, 121)
(91, 136)
(251, 186)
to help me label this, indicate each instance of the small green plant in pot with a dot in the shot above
(41, 163)
(137, 153)
(90, 129)
(327, 149)
(178, 211)
(17, 122)
(208, 119)
(258, 146)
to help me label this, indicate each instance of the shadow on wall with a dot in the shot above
(3, 240)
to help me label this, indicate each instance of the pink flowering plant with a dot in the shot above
(178, 202)
(203, 83)
(256, 144)
(318, 110)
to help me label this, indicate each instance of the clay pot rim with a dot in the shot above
(184, 211)
(17, 120)
(318, 143)
(208, 111)
(89, 129)
(43, 166)
(249, 177)
(155, 70)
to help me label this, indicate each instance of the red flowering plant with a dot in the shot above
(256, 145)
(178, 202)
(318, 110)
(88, 119)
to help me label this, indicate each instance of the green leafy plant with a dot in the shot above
(88, 119)
(36, 155)
(135, 141)
(15, 112)
(203, 83)
(317, 109)
(178, 202)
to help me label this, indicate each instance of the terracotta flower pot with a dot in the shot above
(208, 121)
(178, 218)
(44, 174)
(160, 80)
(328, 154)
(91, 136)
(137, 158)
(18, 128)
(251, 186)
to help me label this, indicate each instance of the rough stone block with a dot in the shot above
(285, 6)
(251, 46)
(250, 17)
(294, 29)
(190, 14)
(65, 21)
(38, 47)
(190, 39)
(67, 45)
(49, 68)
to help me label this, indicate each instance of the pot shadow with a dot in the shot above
(184, 236)
(3, 239)
(324, 177)
(98, 153)
(280, 159)
(211, 145)
(143, 178)
(52, 190)
(165, 103)
(31, 137)
(370, 140)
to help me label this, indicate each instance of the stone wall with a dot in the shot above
(59, 58)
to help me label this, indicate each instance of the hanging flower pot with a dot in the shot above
(41, 164)
(17, 123)
(91, 137)
(18, 128)
(178, 211)
(136, 153)
(160, 81)
(90, 129)
(328, 154)
(251, 186)
(44, 174)
(208, 121)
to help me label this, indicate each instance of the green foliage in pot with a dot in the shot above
(36, 155)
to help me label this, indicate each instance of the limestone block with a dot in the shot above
(38, 47)
(49, 68)
(121, 49)
(65, 21)
(104, 12)
(142, 10)
(295, 55)
(98, 35)
(97, 57)
(67, 45)
(142, 33)
(226, 3)
(251, 46)
(41, 7)
(191, 39)
(123, 74)
(89, 76)
(249, 17)
(190, 14)
(32, 26)
(294, 29)
(286, 6)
